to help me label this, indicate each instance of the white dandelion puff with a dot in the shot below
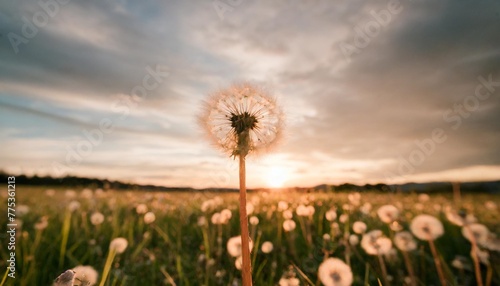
(388, 213)
(119, 245)
(234, 246)
(426, 227)
(334, 272)
(149, 218)
(87, 275)
(267, 247)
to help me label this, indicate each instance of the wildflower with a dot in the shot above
(22, 210)
(149, 218)
(288, 214)
(141, 209)
(374, 243)
(388, 213)
(292, 281)
(353, 239)
(50, 192)
(250, 208)
(366, 208)
(331, 215)
(226, 214)
(234, 246)
(70, 194)
(67, 278)
(302, 210)
(396, 226)
(419, 206)
(289, 225)
(423, 198)
(461, 263)
(359, 227)
(87, 275)
(267, 247)
(404, 241)
(254, 220)
(217, 218)
(426, 227)
(354, 198)
(42, 224)
(459, 219)
(490, 205)
(73, 206)
(327, 237)
(202, 221)
(334, 272)
(96, 218)
(242, 119)
(479, 231)
(86, 193)
(238, 262)
(343, 218)
(484, 256)
(118, 244)
(282, 206)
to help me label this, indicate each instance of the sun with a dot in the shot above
(276, 177)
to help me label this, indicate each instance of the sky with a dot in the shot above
(373, 91)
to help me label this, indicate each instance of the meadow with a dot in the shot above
(182, 238)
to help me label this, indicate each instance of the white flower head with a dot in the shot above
(119, 245)
(404, 241)
(375, 243)
(426, 227)
(86, 274)
(334, 272)
(234, 246)
(97, 218)
(388, 213)
(331, 215)
(359, 227)
(477, 232)
(267, 247)
(242, 119)
(67, 278)
(289, 225)
(149, 218)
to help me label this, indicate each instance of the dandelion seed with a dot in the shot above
(118, 244)
(404, 241)
(87, 275)
(334, 272)
(267, 247)
(426, 227)
(149, 218)
(289, 225)
(96, 218)
(67, 278)
(388, 213)
(359, 227)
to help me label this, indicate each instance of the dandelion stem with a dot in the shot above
(383, 268)
(245, 248)
(437, 262)
(409, 267)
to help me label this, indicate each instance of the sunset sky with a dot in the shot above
(373, 91)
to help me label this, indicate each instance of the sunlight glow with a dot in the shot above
(276, 177)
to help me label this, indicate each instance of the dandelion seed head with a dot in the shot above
(254, 220)
(96, 218)
(292, 281)
(141, 209)
(359, 227)
(149, 218)
(287, 214)
(282, 206)
(234, 246)
(353, 239)
(477, 232)
(388, 213)
(375, 243)
(242, 119)
(404, 241)
(426, 227)
(289, 225)
(73, 206)
(331, 215)
(119, 245)
(67, 278)
(267, 247)
(86, 274)
(334, 272)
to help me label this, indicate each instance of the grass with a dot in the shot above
(176, 250)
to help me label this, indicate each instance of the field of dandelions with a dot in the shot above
(323, 238)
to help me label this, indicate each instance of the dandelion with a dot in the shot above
(476, 233)
(118, 245)
(423, 198)
(50, 192)
(22, 210)
(288, 214)
(254, 220)
(359, 227)
(327, 237)
(238, 262)
(331, 215)
(149, 218)
(334, 272)
(202, 221)
(404, 241)
(87, 275)
(86, 194)
(388, 213)
(234, 246)
(267, 247)
(366, 208)
(73, 206)
(490, 205)
(292, 281)
(343, 218)
(354, 198)
(96, 218)
(282, 206)
(42, 224)
(427, 227)
(250, 208)
(289, 225)
(226, 214)
(67, 278)
(353, 240)
(141, 209)
(374, 243)
(70, 194)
